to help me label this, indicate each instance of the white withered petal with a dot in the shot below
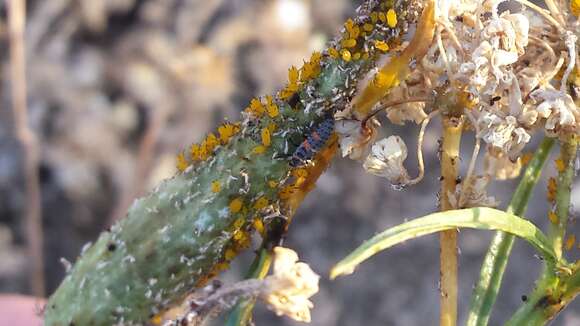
(558, 108)
(288, 289)
(354, 140)
(386, 160)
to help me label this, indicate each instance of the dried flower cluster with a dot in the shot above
(286, 292)
(509, 73)
(288, 289)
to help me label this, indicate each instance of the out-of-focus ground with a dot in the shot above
(117, 87)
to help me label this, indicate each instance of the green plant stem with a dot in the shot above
(497, 256)
(452, 130)
(565, 178)
(552, 294)
(557, 286)
(242, 312)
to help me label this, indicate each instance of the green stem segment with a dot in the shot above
(497, 256)
(242, 312)
(565, 178)
(558, 286)
(552, 294)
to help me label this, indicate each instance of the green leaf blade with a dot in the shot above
(475, 218)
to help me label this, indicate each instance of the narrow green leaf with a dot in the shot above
(497, 256)
(476, 218)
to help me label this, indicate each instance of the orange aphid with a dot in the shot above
(216, 186)
(553, 217)
(236, 205)
(259, 226)
(552, 189)
(348, 43)
(211, 142)
(381, 45)
(292, 87)
(526, 158)
(266, 139)
(261, 203)
(560, 165)
(575, 7)
(230, 254)
(332, 52)
(345, 55)
(260, 149)
(391, 18)
(570, 241)
(256, 108)
(195, 152)
(182, 163)
(271, 107)
(226, 131)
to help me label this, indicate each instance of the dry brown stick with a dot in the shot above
(33, 221)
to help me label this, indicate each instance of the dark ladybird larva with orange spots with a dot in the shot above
(315, 141)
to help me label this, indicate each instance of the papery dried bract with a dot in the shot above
(558, 108)
(288, 289)
(386, 160)
(477, 195)
(354, 139)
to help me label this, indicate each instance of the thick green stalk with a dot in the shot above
(189, 228)
(242, 312)
(495, 262)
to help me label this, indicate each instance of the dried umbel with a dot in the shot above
(292, 283)
(496, 68)
(386, 160)
(286, 291)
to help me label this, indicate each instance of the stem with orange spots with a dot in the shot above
(452, 128)
(565, 165)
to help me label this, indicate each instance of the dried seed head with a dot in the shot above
(354, 139)
(288, 289)
(386, 160)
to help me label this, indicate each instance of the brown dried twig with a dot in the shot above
(22, 132)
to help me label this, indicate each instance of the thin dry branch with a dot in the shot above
(22, 132)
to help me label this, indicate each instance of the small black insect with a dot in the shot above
(494, 99)
(313, 143)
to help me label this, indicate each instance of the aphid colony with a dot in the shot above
(363, 40)
(313, 92)
(322, 85)
(241, 178)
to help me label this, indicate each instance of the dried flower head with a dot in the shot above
(503, 133)
(558, 108)
(288, 289)
(386, 160)
(477, 195)
(354, 139)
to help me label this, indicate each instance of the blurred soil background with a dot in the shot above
(117, 87)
